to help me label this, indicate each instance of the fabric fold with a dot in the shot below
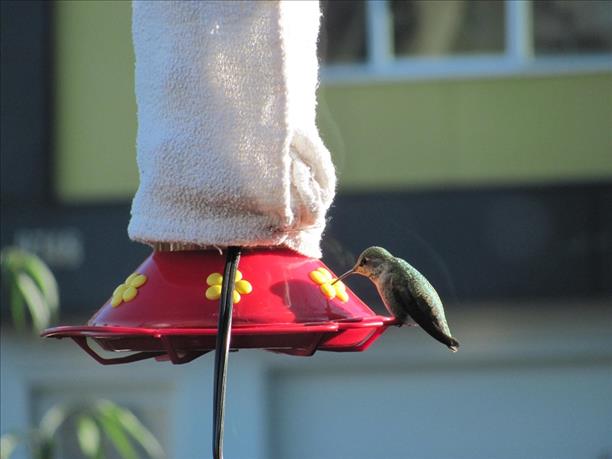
(228, 150)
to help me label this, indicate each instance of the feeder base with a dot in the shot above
(284, 302)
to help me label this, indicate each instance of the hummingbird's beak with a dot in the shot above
(348, 273)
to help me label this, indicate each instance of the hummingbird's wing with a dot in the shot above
(425, 307)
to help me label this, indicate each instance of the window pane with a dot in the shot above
(440, 28)
(572, 26)
(343, 36)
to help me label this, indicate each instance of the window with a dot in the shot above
(439, 28)
(343, 37)
(572, 26)
(426, 38)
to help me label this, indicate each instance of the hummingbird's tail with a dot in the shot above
(436, 330)
(452, 344)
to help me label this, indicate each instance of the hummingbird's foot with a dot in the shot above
(396, 321)
(399, 322)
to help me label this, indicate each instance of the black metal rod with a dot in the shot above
(224, 331)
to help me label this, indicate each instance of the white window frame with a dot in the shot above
(518, 58)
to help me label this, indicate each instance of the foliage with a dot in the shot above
(94, 423)
(31, 288)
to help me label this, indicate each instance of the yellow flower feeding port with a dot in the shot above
(128, 290)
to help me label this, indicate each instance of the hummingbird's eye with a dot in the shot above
(364, 261)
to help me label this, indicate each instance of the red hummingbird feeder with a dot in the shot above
(229, 156)
(284, 302)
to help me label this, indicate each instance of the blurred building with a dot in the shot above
(473, 138)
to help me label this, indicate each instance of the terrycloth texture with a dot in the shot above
(228, 150)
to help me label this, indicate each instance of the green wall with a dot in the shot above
(95, 107)
(382, 136)
(470, 132)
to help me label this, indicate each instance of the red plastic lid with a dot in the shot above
(283, 302)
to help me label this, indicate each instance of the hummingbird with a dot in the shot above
(405, 292)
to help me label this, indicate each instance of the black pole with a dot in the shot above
(224, 331)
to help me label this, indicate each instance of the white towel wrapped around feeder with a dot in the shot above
(228, 149)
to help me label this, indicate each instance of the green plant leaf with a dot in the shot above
(138, 431)
(8, 444)
(53, 418)
(88, 435)
(33, 297)
(16, 263)
(17, 307)
(8, 259)
(44, 449)
(39, 446)
(45, 280)
(115, 433)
